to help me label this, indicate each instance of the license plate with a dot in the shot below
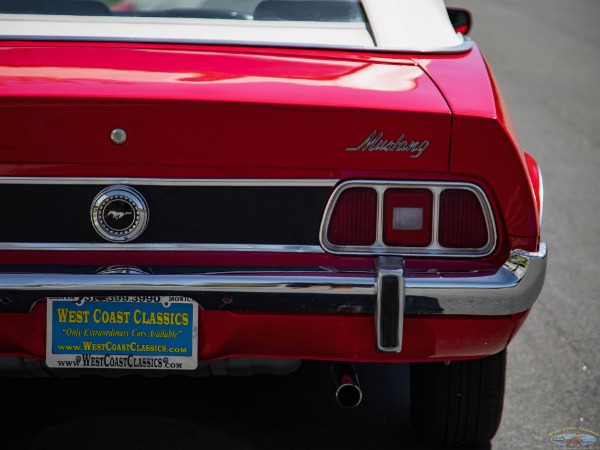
(154, 333)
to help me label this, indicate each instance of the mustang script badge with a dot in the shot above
(376, 143)
(119, 213)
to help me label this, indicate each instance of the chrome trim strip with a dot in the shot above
(79, 246)
(267, 182)
(463, 47)
(435, 249)
(541, 193)
(512, 289)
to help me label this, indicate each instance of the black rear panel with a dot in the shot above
(269, 215)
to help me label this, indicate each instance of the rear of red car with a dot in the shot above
(234, 210)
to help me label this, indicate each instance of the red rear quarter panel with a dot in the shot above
(484, 141)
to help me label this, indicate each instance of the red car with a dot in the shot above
(227, 188)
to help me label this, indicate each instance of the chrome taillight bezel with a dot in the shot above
(434, 249)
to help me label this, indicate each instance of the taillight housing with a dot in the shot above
(416, 218)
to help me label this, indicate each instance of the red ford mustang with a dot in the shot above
(230, 188)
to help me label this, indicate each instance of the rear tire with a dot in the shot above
(458, 404)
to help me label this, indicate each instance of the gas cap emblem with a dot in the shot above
(119, 213)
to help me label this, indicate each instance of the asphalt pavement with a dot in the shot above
(546, 57)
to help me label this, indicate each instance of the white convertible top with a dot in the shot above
(396, 25)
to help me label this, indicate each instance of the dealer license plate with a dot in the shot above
(154, 332)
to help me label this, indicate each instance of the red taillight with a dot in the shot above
(354, 218)
(462, 222)
(407, 217)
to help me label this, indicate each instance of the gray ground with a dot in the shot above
(546, 55)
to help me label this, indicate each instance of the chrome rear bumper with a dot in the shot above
(388, 292)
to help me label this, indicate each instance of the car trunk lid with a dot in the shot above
(223, 108)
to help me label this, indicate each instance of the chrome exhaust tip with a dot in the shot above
(345, 381)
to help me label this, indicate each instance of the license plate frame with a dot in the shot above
(122, 332)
